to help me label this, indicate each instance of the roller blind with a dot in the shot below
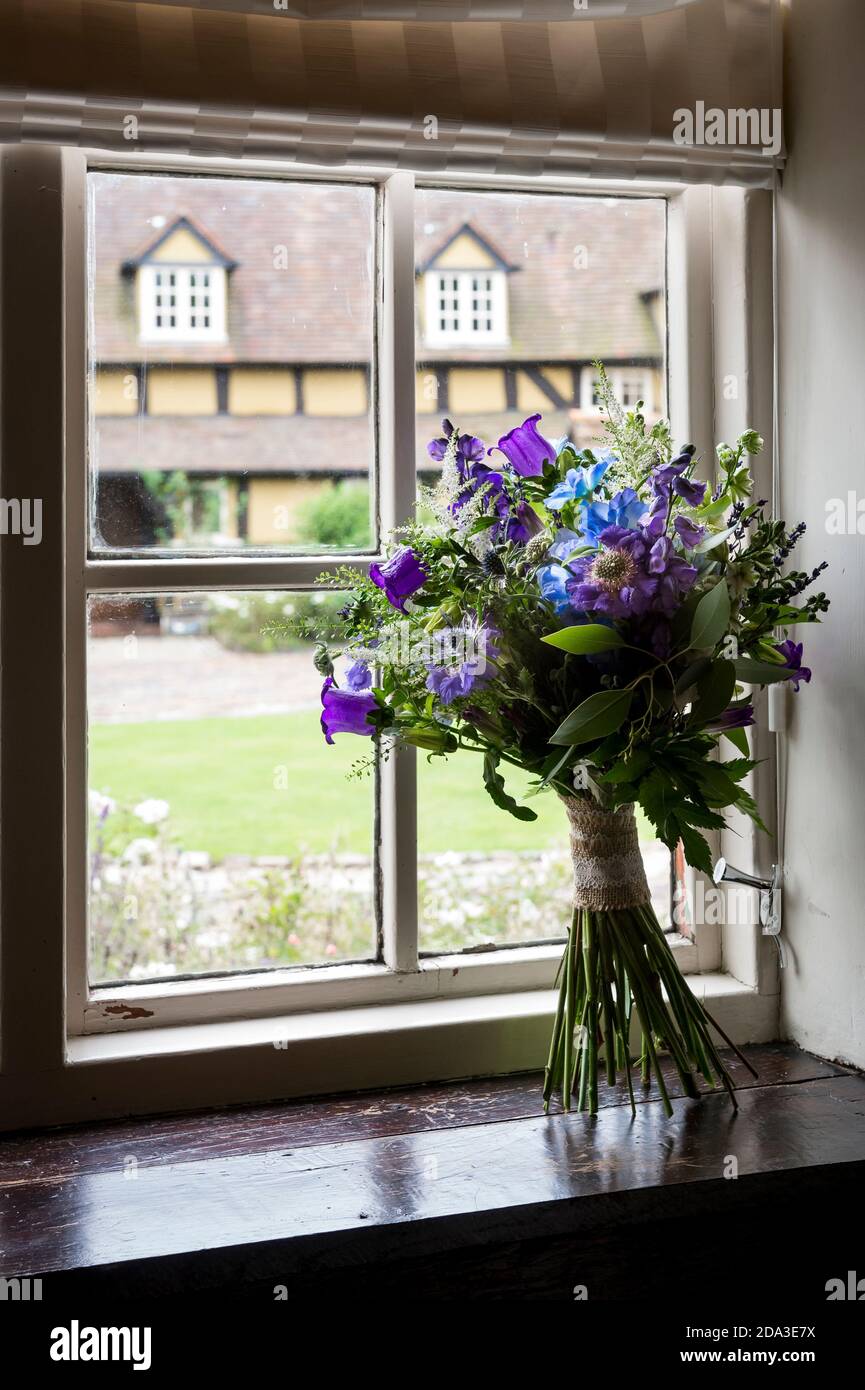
(689, 92)
(446, 11)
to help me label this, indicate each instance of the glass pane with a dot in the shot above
(231, 350)
(526, 293)
(224, 835)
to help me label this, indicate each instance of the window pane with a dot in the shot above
(231, 350)
(546, 285)
(224, 835)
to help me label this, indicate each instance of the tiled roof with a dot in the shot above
(317, 309)
(290, 444)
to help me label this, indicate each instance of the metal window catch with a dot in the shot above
(770, 898)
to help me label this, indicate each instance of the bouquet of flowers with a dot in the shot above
(599, 620)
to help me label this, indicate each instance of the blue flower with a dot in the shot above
(577, 484)
(625, 510)
(552, 582)
(565, 544)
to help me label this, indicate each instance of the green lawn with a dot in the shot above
(225, 781)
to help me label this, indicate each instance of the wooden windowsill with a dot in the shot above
(464, 1185)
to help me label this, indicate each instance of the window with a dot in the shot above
(313, 929)
(468, 307)
(262, 440)
(631, 384)
(181, 304)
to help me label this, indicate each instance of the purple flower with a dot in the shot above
(466, 660)
(669, 478)
(688, 532)
(577, 484)
(525, 449)
(633, 574)
(736, 717)
(345, 711)
(693, 493)
(519, 523)
(470, 449)
(400, 576)
(792, 654)
(358, 676)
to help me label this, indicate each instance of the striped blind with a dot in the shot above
(602, 96)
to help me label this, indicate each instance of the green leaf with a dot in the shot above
(746, 803)
(718, 788)
(759, 672)
(630, 769)
(658, 799)
(554, 766)
(599, 715)
(739, 739)
(692, 674)
(495, 785)
(737, 768)
(714, 691)
(585, 638)
(709, 542)
(711, 617)
(697, 851)
(701, 816)
(716, 508)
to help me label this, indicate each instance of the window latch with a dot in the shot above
(769, 890)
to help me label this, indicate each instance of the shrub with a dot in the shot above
(337, 517)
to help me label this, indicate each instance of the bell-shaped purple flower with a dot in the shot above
(345, 711)
(522, 523)
(400, 576)
(688, 532)
(525, 449)
(691, 491)
(792, 654)
(736, 717)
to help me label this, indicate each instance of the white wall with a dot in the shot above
(822, 346)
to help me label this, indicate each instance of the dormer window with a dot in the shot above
(465, 300)
(182, 304)
(181, 282)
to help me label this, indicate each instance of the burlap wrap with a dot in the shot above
(608, 866)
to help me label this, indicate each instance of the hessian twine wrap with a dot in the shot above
(608, 866)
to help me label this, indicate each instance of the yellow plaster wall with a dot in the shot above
(261, 392)
(273, 506)
(330, 392)
(183, 246)
(531, 397)
(464, 254)
(115, 393)
(480, 391)
(181, 391)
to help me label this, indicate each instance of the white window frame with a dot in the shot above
(461, 292)
(185, 291)
(67, 1055)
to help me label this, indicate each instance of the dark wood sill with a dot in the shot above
(455, 1191)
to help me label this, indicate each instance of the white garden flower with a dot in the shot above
(152, 811)
(99, 804)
